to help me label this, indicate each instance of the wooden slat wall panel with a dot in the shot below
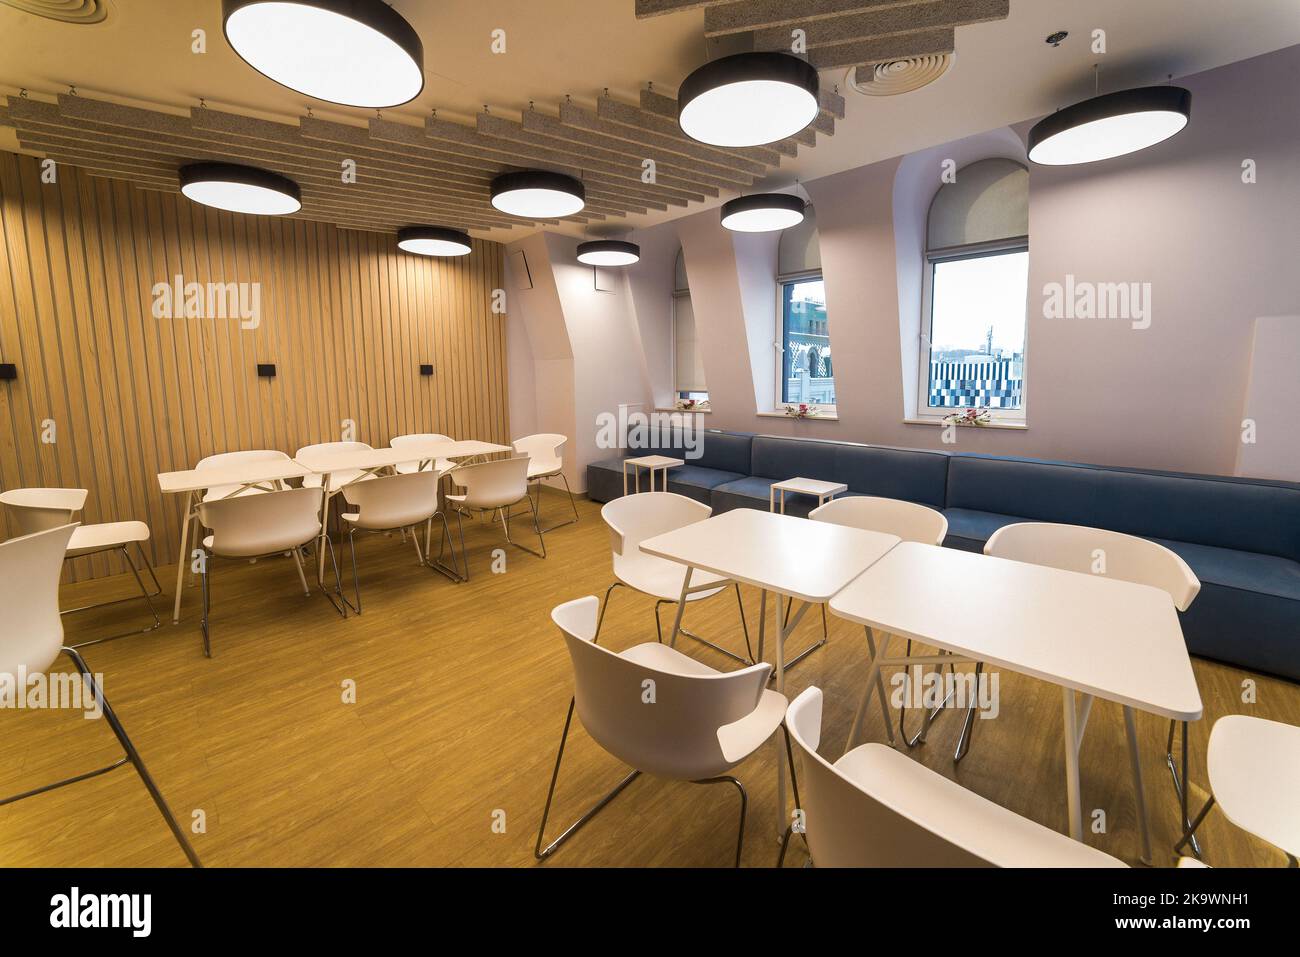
(345, 317)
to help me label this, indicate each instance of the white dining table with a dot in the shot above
(192, 483)
(1094, 637)
(788, 556)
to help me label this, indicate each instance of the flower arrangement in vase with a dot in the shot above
(803, 410)
(976, 417)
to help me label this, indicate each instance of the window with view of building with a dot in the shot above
(805, 373)
(976, 293)
(688, 364)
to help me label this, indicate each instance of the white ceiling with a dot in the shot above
(1004, 71)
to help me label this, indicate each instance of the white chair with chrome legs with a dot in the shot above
(698, 725)
(545, 462)
(876, 807)
(417, 440)
(1254, 770)
(391, 503)
(494, 487)
(260, 526)
(634, 518)
(337, 479)
(912, 523)
(31, 639)
(1096, 551)
(227, 459)
(36, 509)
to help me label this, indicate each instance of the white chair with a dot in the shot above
(259, 526)
(911, 523)
(37, 509)
(634, 518)
(392, 503)
(1096, 551)
(225, 459)
(699, 724)
(494, 487)
(31, 639)
(338, 480)
(418, 439)
(545, 462)
(876, 807)
(1254, 770)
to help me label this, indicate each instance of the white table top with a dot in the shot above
(653, 462)
(1101, 636)
(1254, 767)
(807, 486)
(247, 473)
(792, 556)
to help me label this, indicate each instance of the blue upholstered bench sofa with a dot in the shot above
(1240, 536)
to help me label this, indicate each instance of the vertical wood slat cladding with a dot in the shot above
(346, 318)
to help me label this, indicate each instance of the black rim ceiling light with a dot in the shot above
(351, 52)
(608, 252)
(1110, 125)
(762, 212)
(538, 194)
(748, 99)
(433, 241)
(240, 189)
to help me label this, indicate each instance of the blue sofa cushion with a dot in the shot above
(1248, 515)
(778, 459)
(910, 474)
(969, 529)
(723, 451)
(696, 482)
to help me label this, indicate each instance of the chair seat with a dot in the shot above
(661, 657)
(962, 817)
(94, 538)
(543, 470)
(337, 479)
(661, 578)
(1254, 769)
(285, 547)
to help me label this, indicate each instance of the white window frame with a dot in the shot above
(778, 343)
(678, 296)
(952, 254)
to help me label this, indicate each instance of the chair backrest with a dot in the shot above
(307, 452)
(32, 633)
(421, 438)
(494, 484)
(657, 721)
(250, 525)
(394, 501)
(223, 459)
(39, 509)
(543, 449)
(634, 518)
(907, 520)
(1097, 551)
(895, 812)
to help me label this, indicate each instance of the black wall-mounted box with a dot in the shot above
(8, 370)
(266, 370)
(426, 369)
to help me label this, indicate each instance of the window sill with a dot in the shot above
(821, 417)
(685, 411)
(1014, 426)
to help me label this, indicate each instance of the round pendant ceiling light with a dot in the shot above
(240, 189)
(748, 99)
(608, 252)
(351, 52)
(433, 241)
(538, 194)
(762, 213)
(1110, 125)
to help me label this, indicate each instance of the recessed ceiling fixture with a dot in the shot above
(240, 189)
(433, 241)
(762, 213)
(538, 194)
(1110, 125)
(748, 99)
(608, 252)
(352, 52)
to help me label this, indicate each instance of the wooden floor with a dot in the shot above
(461, 692)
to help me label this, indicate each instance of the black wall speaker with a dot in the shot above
(8, 370)
(426, 369)
(266, 370)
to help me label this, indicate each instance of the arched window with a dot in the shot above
(803, 328)
(976, 292)
(688, 365)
